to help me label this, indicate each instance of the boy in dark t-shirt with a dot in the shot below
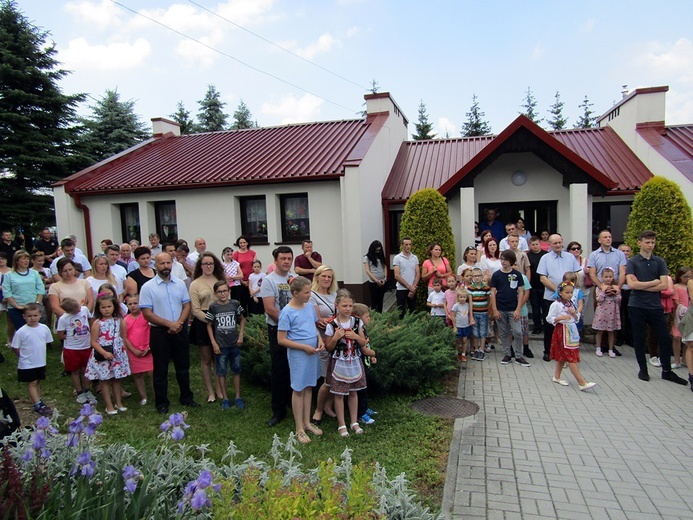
(225, 324)
(506, 301)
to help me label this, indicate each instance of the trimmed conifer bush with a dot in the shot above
(661, 206)
(425, 220)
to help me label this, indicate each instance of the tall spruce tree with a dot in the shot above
(558, 121)
(182, 117)
(529, 107)
(36, 123)
(423, 127)
(242, 118)
(112, 127)
(586, 120)
(211, 116)
(475, 124)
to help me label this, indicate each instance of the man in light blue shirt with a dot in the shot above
(552, 266)
(165, 304)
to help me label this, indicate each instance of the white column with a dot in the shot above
(467, 218)
(580, 217)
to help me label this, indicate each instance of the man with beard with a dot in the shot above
(165, 304)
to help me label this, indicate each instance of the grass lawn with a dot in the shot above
(401, 440)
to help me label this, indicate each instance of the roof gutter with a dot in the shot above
(87, 220)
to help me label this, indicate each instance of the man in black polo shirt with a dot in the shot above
(647, 275)
(9, 246)
(48, 245)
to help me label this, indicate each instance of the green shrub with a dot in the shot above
(425, 220)
(255, 356)
(661, 207)
(413, 353)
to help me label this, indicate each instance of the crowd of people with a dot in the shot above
(134, 309)
(509, 271)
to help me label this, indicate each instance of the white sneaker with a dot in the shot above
(587, 385)
(561, 382)
(654, 361)
(90, 397)
(82, 398)
(674, 366)
(599, 352)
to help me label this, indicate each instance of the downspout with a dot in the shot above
(87, 221)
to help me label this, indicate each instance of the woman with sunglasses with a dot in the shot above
(575, 249)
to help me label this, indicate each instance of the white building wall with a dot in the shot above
(362, 191)
(215, 215)
(69, 218)
(543, 183)
(645, 108)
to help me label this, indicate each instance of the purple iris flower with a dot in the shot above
(200, 500)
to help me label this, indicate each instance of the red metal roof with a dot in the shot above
(441, 164)
(674, 143)
(311, 151)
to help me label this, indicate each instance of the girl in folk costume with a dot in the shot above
(346, 375)
(565, 342)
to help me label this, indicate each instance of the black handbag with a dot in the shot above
(98, 356)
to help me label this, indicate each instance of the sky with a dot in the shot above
(307, 60)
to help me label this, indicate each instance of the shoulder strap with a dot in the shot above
(332, 309)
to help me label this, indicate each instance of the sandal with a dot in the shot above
(312, 428)
(342, 430)
(302, 437)
(316, 422)
(357, 428)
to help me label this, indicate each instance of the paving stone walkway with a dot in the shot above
(622, 450)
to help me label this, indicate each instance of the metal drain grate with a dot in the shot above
(446, 407)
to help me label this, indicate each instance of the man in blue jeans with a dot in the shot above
(647, 275)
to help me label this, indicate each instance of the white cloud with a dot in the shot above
(290, 109)
(538, 52)
(588, 25)
(669, 60)
(444, 125)
(323, 44)
(665, 63)
(80, 55)
(204, 26)
(352, 31)
(98, 15)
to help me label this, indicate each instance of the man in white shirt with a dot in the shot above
(113, 254)
(68, 248)
(510, 229)
(407, 274)
(177, 269)
(200, 247)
